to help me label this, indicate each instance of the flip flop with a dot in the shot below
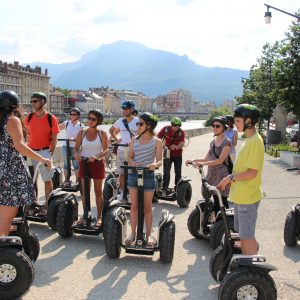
(151, 241)
(130, 240)
(99, 223)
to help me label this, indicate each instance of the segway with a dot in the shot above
(67, 215)
(182, 193)
(69, 185)
(292, 227)
(16, 268)
(240, 276)
(116, 222)
(111, 189)
(204, 222)
(37, 213)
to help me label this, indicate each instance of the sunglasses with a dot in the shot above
(176, 125)
(73, 114)
(215, 126)
(92, 119)
(35, 101)
(140, 123)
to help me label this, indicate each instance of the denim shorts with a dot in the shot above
(245, 216)
(149, 181)
(64, 155)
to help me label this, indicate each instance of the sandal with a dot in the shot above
(99, 223)
(79, 222)
(130, 240)
(151, 242)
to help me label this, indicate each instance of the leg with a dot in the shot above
(166, 176)
(83, 193)
(7, 213)
(99, 197)
(48, 190)
(148, 212)
(177, 168)
(64, 155)
(249, 246)
(134, 210)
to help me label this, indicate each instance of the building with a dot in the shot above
(179, 100)
(90, 100)
(24, 81)
(56, 102)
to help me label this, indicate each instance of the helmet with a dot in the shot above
(230, 119)
(149, 119)
(175, 121)
(98, 114)
(8, 99)
(248, 111)
(135, 112)
(222, 120)
(76, 110)
(39, 95)
(127, 104)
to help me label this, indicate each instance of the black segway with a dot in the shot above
(37, 213)
(67, 214)
(69, 185)
(111, 189)
(182, 193)
(240, 276)
(16, 268)
(204, 222)
(116, 222)
(292, 227)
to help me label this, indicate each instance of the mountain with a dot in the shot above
(133, 66)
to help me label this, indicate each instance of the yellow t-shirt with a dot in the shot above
(251, 156)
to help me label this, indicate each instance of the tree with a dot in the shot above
(220, 111)
(288, 71)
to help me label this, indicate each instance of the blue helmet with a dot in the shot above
(127, 104)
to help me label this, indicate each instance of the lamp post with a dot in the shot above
(268, 14)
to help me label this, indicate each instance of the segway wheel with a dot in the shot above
(16, 273)
(52, 213)
(166, 242)
(64, 220)
(184, 194)
(31, 246)
(248, 283)
(112, 234)
(193, 223)
(107, 189)
(216, 262)
(290, 229)
(217, 232)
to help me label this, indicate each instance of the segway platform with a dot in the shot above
(87, 229)
(70, 186)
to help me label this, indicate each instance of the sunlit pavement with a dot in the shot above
(78, 268)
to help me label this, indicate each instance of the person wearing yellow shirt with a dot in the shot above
(245, 190)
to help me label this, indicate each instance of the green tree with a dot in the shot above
(220, 111)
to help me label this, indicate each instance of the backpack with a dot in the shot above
(178, 133)
(49, 115)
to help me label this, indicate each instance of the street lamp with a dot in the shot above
(268, 14)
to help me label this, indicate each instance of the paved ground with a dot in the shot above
(78, 268)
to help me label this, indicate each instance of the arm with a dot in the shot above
(248, 174)
(158, 156)
(53, 143)
(235, 138)
(104, 145)
(131, 162)
(113, 130)
(62, 125)
(78, 144)
(14, 128)
(224, 154)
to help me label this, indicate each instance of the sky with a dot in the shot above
(212, 33)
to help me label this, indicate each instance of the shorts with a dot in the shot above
(245, 216)
(149, 181)
(120, 161)
(74, 161)
(96, 169)
(46, 174)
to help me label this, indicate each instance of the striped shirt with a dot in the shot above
(144, 154)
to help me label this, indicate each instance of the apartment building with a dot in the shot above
(24, 81)
(179, 100)
(56, 102)
(90, 100)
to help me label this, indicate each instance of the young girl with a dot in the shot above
(146, 151)
(16, 186)
(93, 144)
(217, 158)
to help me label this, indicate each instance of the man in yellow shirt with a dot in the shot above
(245, 190)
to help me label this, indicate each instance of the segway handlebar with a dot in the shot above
(200, 168)
(70, 139)
(119, 145)
(215, 191)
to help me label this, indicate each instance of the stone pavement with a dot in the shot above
(78, 268)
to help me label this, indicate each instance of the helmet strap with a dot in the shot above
(147, 129)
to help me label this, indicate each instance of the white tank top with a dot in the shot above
(91, 148)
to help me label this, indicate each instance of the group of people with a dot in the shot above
(242, 184)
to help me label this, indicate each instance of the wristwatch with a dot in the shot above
(231, 177)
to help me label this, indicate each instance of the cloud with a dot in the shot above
(109, 18)
(184, 2)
